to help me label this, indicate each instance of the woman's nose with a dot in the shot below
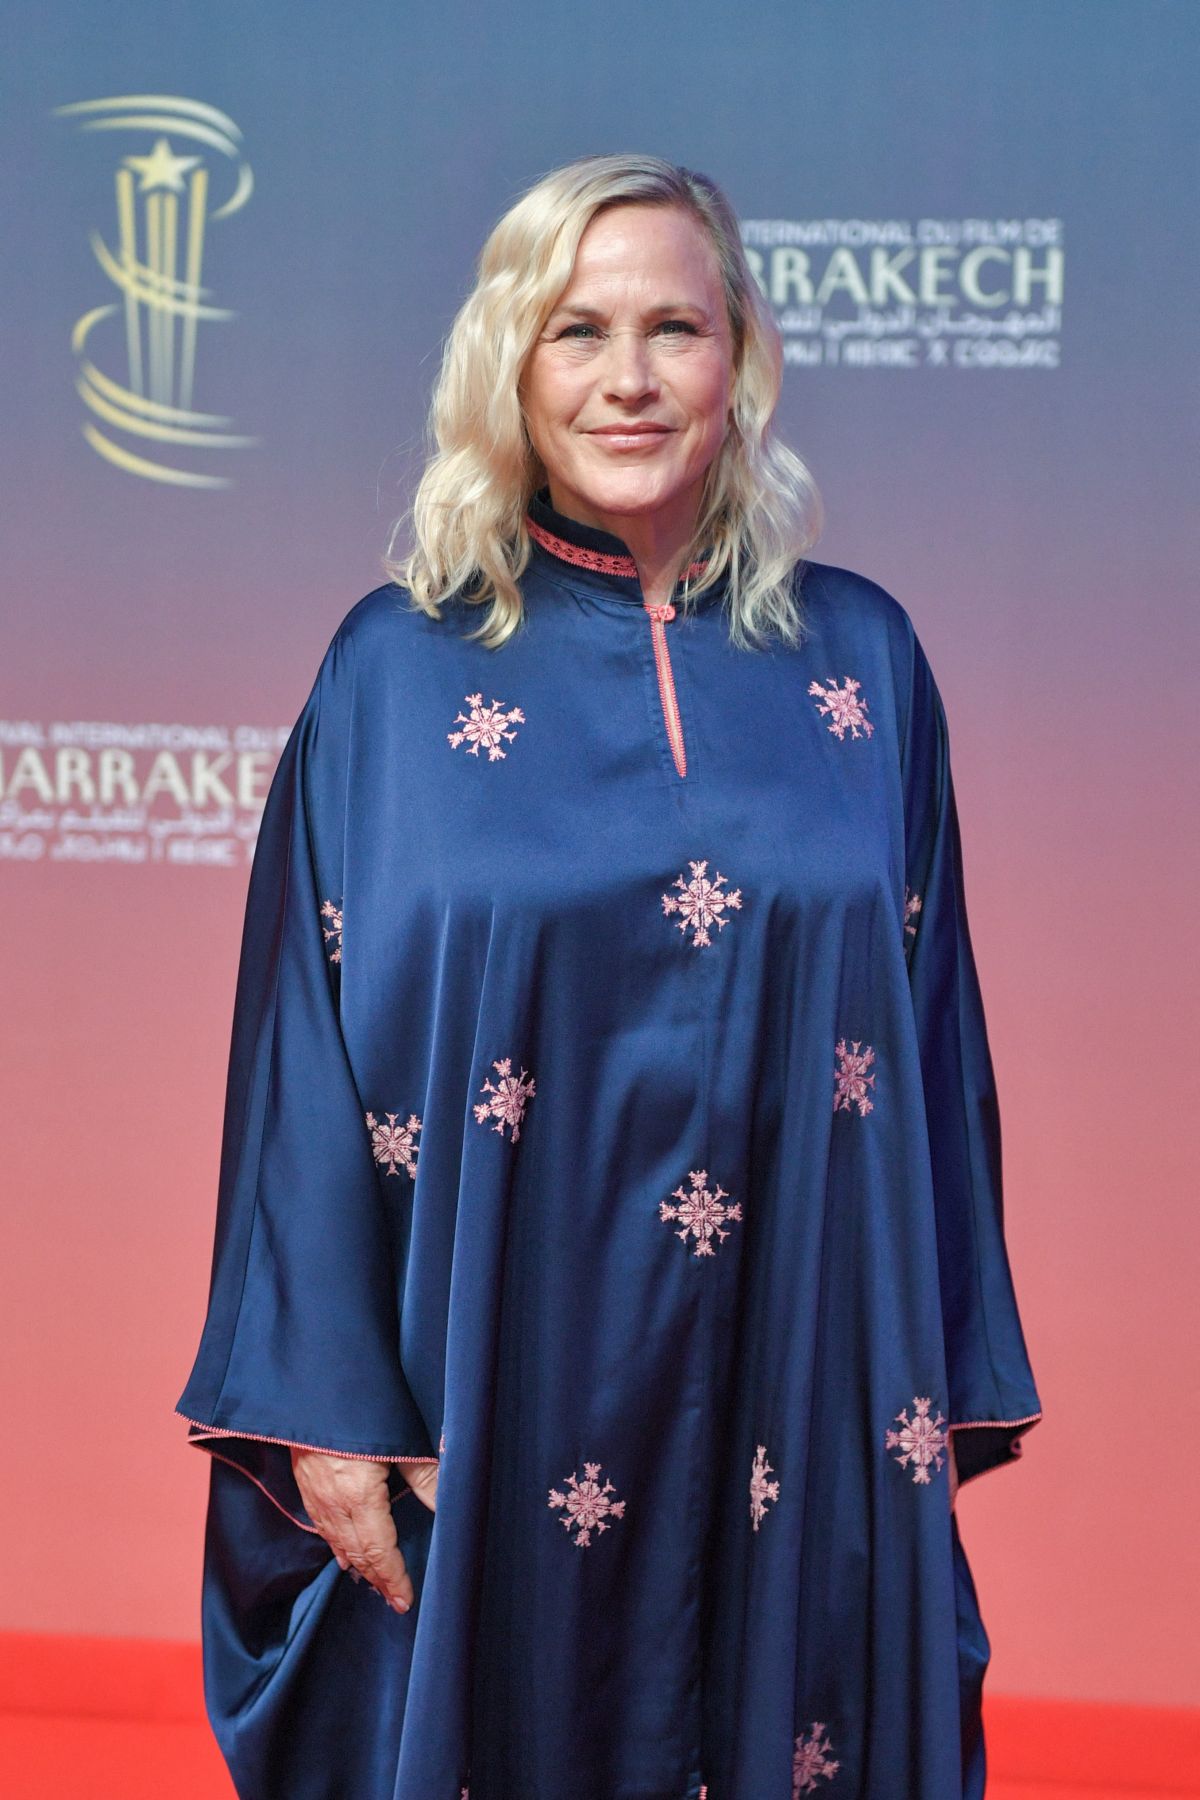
(628, 365)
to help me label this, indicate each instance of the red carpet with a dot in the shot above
(123, 1719)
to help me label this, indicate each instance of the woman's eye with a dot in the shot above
(671, 326)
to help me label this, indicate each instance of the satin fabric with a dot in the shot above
(625, 1140)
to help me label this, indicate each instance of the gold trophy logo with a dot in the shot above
(162, 211)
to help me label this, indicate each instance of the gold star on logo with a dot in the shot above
(160, 169)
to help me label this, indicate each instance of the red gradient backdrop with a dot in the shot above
(1037, 522)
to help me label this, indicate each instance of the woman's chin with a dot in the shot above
(631, 491)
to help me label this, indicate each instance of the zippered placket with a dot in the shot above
(666, 680)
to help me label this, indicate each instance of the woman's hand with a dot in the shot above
(347, 1500)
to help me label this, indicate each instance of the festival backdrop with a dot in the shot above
(236, 238)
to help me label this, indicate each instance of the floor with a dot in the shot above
(49, 1758)
(113, 1719)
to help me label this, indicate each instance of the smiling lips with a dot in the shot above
(630, 437)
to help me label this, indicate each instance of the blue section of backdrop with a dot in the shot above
(384, 141)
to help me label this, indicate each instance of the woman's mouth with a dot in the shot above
(634, 437)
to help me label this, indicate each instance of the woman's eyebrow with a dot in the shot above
(579, 310)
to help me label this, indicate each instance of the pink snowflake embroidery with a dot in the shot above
(850, 1078)
(508, 1098)
(912, 906)
(483, 727)
(334, 934)
(700, 1211)
(920, 1439)
(810, 1759)
(843, 706)
(392, 1143)
(587, 1505)
(761, 1490)
(700, 902)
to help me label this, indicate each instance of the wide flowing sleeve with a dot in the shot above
(992, 1397)
(300, 1345)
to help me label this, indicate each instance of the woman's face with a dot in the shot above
(628, 388)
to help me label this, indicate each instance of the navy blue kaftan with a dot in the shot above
(611, 1120)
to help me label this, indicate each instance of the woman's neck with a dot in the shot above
(657, 541)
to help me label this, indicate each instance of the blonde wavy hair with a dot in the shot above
(759, 512)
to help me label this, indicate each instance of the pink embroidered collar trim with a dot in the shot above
(601, 562)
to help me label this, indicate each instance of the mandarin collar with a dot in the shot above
(591, 558)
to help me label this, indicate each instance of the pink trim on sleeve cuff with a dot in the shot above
(995, 1424)
(203, 1430)
(1016, 1446)
(230, 1464)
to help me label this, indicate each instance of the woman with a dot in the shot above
(609, 1262)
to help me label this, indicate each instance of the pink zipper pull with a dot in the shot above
(659, 614)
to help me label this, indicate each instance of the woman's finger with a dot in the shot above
(370, 1535)
(349, 1504)
(422, 1478)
